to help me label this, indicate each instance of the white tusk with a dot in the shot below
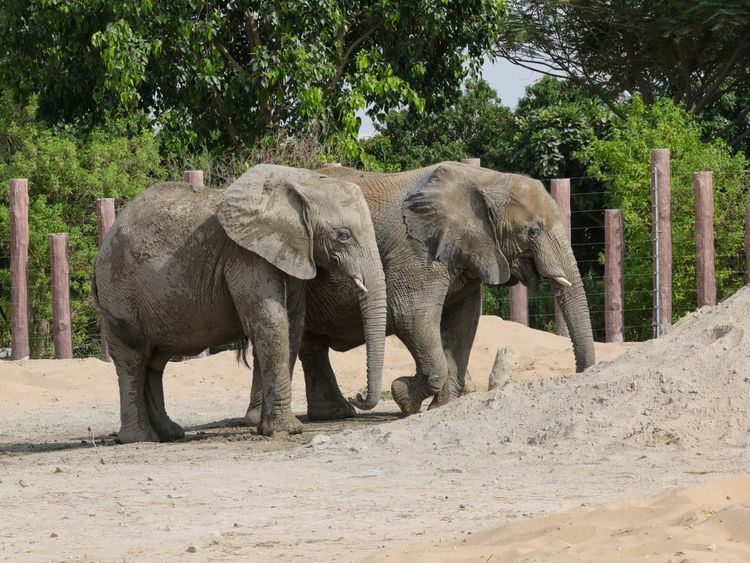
(361, 286)
(562, 281)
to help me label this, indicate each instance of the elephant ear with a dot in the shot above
(266, 212)
(449, 213)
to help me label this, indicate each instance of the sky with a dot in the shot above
(507, 79)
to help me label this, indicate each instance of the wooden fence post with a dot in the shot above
(747, 243)
(518, 300)
(662, 240)
(19, 275)
(560, 189)
(194, 177)
(614, 281)
(704, 238)
(61, 329)
(105, 217)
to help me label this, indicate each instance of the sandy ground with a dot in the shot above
(487, 476)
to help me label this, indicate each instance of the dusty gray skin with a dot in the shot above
(442, 231)
(183, 269)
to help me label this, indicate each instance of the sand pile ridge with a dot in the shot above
(689, 388)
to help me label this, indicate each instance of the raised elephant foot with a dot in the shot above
(253, 414)
(132, 434)
(279, 422)
(407, 395)
(330, 410)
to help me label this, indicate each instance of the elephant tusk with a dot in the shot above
(562, 281)
(361, 286)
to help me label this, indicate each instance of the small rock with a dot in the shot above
(236, 524)
(53, 535)
(320, 439)
(23, 483)
(58, 470)
(192, 549)
(149, 478)
(647, 412)
(711, 547)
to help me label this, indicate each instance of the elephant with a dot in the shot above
(442, 232)
(185, 268)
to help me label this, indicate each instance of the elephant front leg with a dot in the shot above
(167, 429)
(424, 342)
(324, 398)
(458, 329)
(254, 410)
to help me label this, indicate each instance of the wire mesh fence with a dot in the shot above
(588, 201)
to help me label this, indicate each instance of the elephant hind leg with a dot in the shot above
(165, 427)
(324, 398)
(131, 363)
(255, 409)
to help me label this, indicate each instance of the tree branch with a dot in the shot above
(228, 56)
(253, 36)
(347, 54)
(229, 126)
(714, 90)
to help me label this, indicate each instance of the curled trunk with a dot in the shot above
(575, 310)
(374, 310)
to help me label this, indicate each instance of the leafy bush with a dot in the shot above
(621, 160)
(67, 172)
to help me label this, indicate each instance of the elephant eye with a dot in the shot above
(534, 232)
(343, 235)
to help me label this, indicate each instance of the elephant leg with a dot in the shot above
(252, 416)
(131, 364)
(295, 307)
(422, 338)
(165, 427)
(458, 329)
(324, 398)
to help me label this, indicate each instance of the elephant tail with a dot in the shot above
(243, 346)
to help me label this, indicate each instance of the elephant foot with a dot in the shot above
(407, 396)
(132, 434)
(253, 415)
(330, 410)
(169, 431)
(279, 422)
(445, 395)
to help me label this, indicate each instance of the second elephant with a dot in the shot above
(442, 231)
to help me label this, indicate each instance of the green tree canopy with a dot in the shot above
(220, 72)
(694, 53)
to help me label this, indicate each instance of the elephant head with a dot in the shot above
(299, 220)
(500, 228)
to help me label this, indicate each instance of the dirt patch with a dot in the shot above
(666, 413)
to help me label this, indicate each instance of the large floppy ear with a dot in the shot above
(450, 214)
(266, 212)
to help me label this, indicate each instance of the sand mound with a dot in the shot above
(690, 387)
(708, 522)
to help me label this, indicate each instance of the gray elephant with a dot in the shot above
(183, 269)
(442, 231)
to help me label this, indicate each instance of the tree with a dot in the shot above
(67, 172)
(475, 126)
(622, 161)
(226, 72)
(694, 53)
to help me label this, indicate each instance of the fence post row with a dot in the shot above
(614, 280)
(19, 260)
(704, 238)
(560, 188)
(105, 218)
(60, 279)
(662, 240)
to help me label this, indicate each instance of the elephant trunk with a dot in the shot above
(374, 311)
(575, 310)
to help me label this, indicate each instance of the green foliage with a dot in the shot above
(475, 126)
(67, 172)
(221, 73)
(622, 161)
(693, 52)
